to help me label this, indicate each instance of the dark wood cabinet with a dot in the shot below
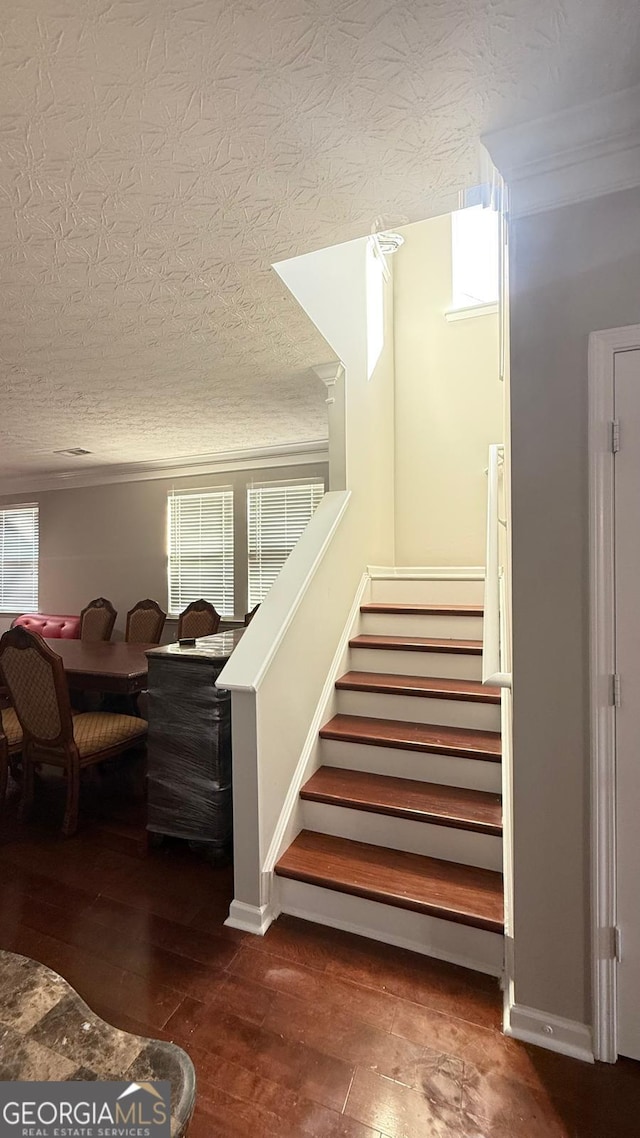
(189, 744)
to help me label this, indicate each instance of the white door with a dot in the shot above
(627, 558)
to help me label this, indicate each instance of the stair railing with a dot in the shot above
(494, 636)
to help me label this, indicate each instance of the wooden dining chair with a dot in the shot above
(34, 675)
(248, 616)
(97, 620)
(198, 619)
(145, 622)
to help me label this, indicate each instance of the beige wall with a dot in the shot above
(448, 407)
(111, 540)
(573, 271)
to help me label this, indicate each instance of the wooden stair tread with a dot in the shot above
(460, 893)
(406, 798)
(417, 644)
(422, 610)
(386, 683)
(460, 741)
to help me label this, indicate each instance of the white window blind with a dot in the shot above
(201, 549)
(19, 559)
(277, 515)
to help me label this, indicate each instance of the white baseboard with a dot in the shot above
(254, 919)
(553, 1032)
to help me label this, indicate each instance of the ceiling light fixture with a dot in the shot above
(389, 243)
(73, 451)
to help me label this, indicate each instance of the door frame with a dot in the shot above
(602, 350)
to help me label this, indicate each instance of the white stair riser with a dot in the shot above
(447, 770)
(424, 592)
(420, 709)
(403, 624)
(445, 842)
(431, 936)
(446, 665)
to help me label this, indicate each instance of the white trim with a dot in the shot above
(287, 454)
(571, 155)
(506, 771)
(566, 1036)
(251, 660)
(426, 573)
(471, 310)
(330, 374)
(493, 637)
(602, 348)
(250, 918)
(281, 836)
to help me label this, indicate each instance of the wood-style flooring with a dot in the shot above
(306, 1032)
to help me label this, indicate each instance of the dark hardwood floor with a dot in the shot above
(306, 1032)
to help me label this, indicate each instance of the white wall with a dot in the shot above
(573, 271)
(331, 285)
(448, 407)
(111, 540)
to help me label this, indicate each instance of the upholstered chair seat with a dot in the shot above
(95, 731)
(10, 746)
(11, 728)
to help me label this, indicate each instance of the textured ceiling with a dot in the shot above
(156, 156)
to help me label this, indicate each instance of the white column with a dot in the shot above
(333, 377)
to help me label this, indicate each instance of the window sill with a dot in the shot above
(173, 618)
(471, 311)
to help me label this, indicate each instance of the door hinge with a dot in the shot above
(615, 435)
(617, 946)
(616, 695)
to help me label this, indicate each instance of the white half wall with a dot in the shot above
(278, 673)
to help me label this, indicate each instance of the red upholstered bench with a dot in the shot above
(51, 627)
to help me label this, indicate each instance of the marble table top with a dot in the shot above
(48, 1033)
(207, 649)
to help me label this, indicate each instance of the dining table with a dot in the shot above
(111, 667)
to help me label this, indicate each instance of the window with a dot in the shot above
(474, 253)
(19, 559)
(201, 549)
(277, 515)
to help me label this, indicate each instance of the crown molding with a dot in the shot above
(223, 462)
(570, 156)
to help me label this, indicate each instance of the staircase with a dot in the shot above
(402, 821)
